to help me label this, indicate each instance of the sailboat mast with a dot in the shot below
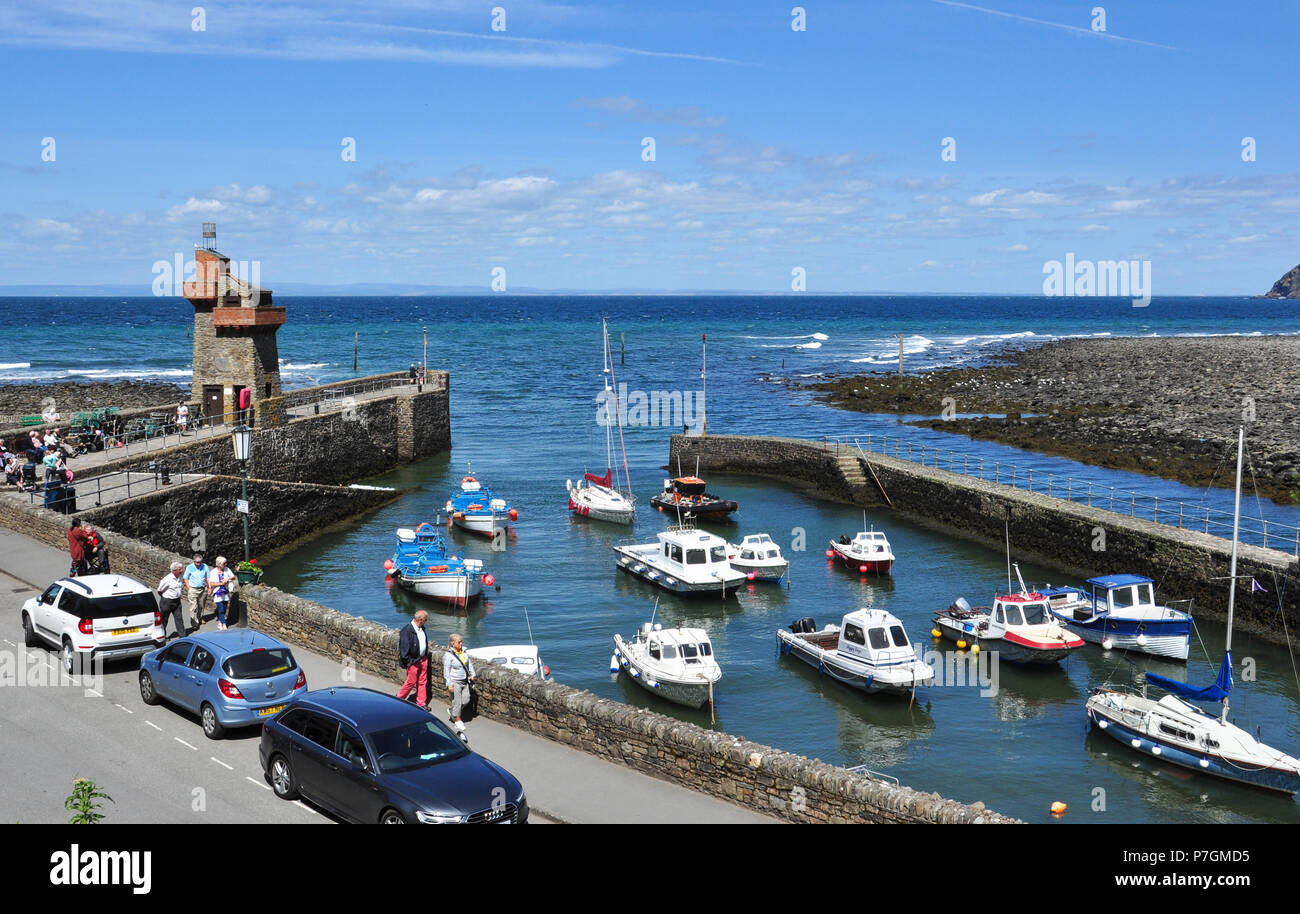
(625, 487)
(1232, 565)
(704, 383)
(609, 374)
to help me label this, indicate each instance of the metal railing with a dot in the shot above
(1255, 530)
(336, 397)
(121, 484)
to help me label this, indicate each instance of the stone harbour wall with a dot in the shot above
(201, 515)
(1186, 564)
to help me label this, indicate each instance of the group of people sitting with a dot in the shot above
(45, 450)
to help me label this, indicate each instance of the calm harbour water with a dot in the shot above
(525, 372)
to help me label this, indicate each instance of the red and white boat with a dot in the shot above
(867, 553)
(1018, 626)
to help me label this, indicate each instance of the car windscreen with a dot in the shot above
(118, 606)
(260, 663)
(414, 745)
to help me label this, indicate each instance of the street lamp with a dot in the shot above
(242, 437)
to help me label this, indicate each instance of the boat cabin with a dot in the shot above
(875, 636)
(413, 543)
(1121, 592)
(687, 646)
(469, 484)
(687, 547)
(685, 485)
(1019, 610)
(759, 546)
(867, 542)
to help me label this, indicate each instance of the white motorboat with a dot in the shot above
(868, 552)
(523, 659)
(1018, 626)
(675, 663)
(758, 558)
(868, 650)
(600, 497)
(476, 509)
(683, 559)
(1179, 732)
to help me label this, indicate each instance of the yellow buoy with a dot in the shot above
(961, 645)
(1058, 809)
(974, 648)
(936, 633)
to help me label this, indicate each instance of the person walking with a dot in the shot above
(219, 581)
(77, 540)
(458, 673)
(413, 653)
(196, 589)
(182, 417)
(169, 599)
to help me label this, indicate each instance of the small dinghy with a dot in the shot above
(477, 510)
(1121, 612)
(1018, 626)
(869, 650)
(684, 560)
(758, 558)
(421, 565)
(674, 663)
(867, 553)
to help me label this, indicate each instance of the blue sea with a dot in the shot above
(525, 372)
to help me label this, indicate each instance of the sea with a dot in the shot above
(525, 374)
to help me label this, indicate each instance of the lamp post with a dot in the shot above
(242, 437)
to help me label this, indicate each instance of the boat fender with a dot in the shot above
(974, 648)
(636, 674)
(514, 514)
(449, 506)
(1155, 750)
(1058, 809)
(388, 565)
(751, 576)
(1103, 724)
(1205, 763)
(830, 553)
(613, 663)
(653, 685)
(1136, 743)
(935, 633)
(961, 645)
(862, 569)
(1107, 644)
(489, 580)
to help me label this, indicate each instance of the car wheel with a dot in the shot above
(282, 780)
(68, 657)
(391, 817)
(212, 728)
(148, 694)
(29, 633)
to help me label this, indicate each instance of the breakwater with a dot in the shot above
(751, 774)
(1075, 538)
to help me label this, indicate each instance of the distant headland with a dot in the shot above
(1286, 287)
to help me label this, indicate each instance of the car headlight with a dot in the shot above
(436, 818)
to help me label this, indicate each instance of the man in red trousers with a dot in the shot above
(414, 655)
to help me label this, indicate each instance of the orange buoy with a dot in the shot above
(830, 553)
(514, 514)
(1058, 809)
(388, 565)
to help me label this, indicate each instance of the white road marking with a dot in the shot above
(258, 783)
(154, 725)
(185, 744)
(221, 763)
(10, 643)
(308, 808)
(96, 694)
(123, 707)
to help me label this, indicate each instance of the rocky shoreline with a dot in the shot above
(1164, 406)
(71, 396)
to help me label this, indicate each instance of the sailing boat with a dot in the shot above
(597, 496)
(1177, 731)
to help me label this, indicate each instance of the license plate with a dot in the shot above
(125, 631)
(267, 712)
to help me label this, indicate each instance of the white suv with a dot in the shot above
(109, 616)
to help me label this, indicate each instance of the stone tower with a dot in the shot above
(234, 337)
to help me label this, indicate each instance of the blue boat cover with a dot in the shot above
(1108, 581)
(1217, 692)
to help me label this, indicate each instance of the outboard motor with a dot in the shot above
(803, 626)
(960, 608)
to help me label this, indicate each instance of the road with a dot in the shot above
(157, 765)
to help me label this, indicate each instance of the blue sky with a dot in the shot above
(775, 149)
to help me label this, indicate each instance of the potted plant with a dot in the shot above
(248, 572)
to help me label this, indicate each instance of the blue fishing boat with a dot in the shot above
(1179, 732)
(476, 509)
(422, 565)
(1120, 611)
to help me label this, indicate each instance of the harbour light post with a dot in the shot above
(242, 437)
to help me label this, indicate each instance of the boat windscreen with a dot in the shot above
(1035, 613)
(718, 554)
(877, 638)
(899, 636)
